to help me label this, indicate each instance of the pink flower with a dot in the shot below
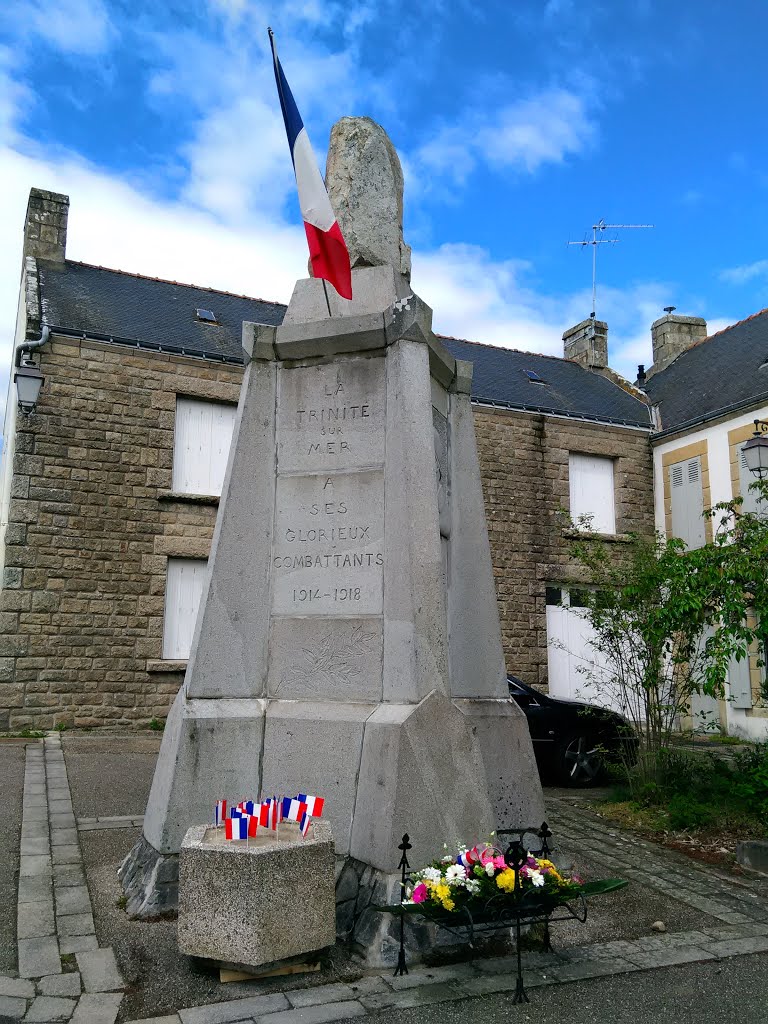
(499, 863)
(420, 893)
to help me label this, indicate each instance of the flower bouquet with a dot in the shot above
(481, 885)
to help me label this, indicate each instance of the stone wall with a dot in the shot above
(93, 521)
(91, 525)
(524, 465)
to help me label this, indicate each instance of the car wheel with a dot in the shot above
(581, 760)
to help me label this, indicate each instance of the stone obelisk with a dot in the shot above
(348, 640)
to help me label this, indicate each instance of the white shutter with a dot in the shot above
(739, 683)
(751, 502)
(201, 445)
(183, 590)
(592, 491)
(687, 502)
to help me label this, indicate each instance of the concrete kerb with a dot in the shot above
(54, 909)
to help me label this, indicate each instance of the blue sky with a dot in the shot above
(518, 124)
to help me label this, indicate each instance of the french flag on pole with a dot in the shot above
(220, 813)
(240, 828)
(314, 804)
(327, 248)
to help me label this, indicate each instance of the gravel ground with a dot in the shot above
(11, 789)
(110, 775)
(690, 994)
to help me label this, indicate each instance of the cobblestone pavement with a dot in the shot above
(64, 975)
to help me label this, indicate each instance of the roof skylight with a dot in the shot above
(206, 316)
(533, 377)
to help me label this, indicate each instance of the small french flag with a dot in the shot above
(469, 857)
(220, 813)
(246, 807)
(275, 813)
(314, 804)
(240, 828)
(306, 821)
(293, 809)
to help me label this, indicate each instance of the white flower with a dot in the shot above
(490, 870)
(536, 878)
(455, 874)
(472, 885)
(431, 875)
(447, 860)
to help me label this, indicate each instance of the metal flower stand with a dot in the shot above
(499, 912)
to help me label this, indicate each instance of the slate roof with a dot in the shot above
(571, 390)
(78, 298)
(127, 307)
(724, 372)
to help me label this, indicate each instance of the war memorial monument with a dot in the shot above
(348, 640)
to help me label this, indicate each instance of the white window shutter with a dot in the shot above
(591, 488)
(687, 502)
(751, 502)
(183, 589)
(739, 683)
(201, 445)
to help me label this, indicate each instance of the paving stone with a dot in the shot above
(75, 924)
(72, 899)
(368, 985)
(36, 814)
(62, 821)
(433, 975)
(491, 983)
(12, 1007)
(737, 947)
(315, 1014)
(17, 987)
(68, 874)
(35, 889)
(235, 1009)
(669, 957)
(173, 1019)
(33, 920)
(78, 944)
(31, 802)
(593, 969)
(99, 970)
(34, 829)
(88, 821)
(98, 1009)
(49, 1008)
(60, 806)
(29, 867)
(66, 854)
(319, 994)
(38, 957)
(423, 995)
(735, 931)
(63, 837)
(37, 847)
(60, 985)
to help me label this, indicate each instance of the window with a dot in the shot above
(201, 445)
(591, 487)
(687, 502)
(752, 502)
(183, 590)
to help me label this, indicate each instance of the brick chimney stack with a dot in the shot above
(673, 334)
(587, 344)
(45, 226)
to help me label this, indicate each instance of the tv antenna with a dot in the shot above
(594, 241)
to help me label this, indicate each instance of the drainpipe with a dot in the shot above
(33, 344)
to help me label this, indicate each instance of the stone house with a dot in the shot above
(707, 392)
(110, 487)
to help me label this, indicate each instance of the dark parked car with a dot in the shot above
(572, 742)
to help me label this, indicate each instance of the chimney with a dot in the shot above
(673, 334)
(45, 226)
(587, 344)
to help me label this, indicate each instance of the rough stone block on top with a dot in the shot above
(256, 881)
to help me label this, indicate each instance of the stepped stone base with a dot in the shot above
(150, 881)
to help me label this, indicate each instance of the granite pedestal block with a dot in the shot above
(260, 901)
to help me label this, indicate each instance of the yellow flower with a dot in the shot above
(506, 880)
(443, 893)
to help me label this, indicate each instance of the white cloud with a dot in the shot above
(544, 128)
(75, 27)
(746, 272)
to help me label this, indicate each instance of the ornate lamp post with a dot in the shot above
(756, 450)
(28, 380)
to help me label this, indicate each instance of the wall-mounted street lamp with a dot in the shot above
(28, 380)
(756, 450)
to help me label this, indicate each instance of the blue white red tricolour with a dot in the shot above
(240, 828)
(314, 804)
(220, 812)
(327, 248)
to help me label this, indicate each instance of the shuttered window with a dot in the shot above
(591, 490)
(687, 502)
(739, 683)
(201, 445)
(183, 590)
(752, 502)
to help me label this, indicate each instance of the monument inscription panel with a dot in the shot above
(331, 416)
(328, 548)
